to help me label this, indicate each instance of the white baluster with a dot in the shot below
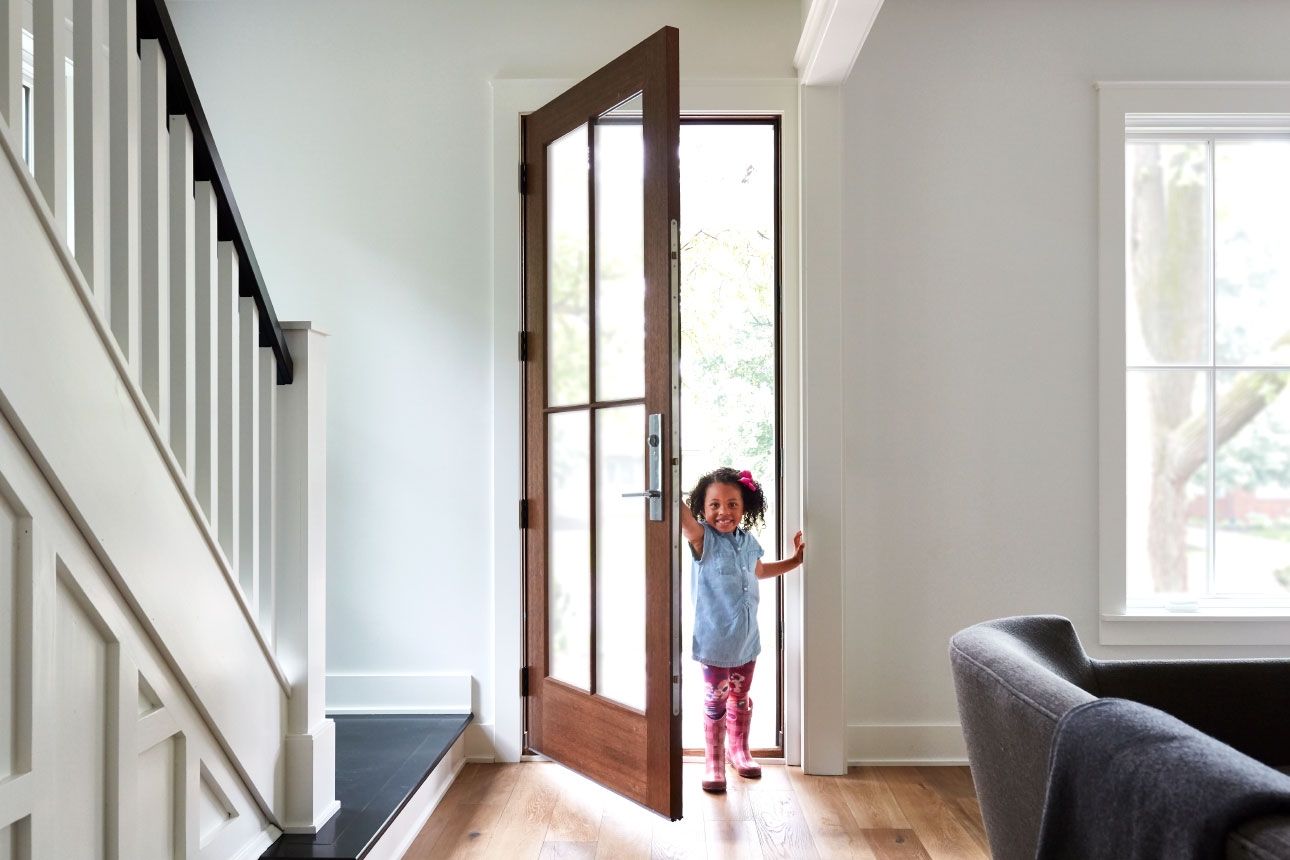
(154, 220)
(183, 372)
(227, 434)
(267, 431)
(49, 105)
(249, 474)
(90, 181)
(123, 230)
(11, 69)
(206, 319)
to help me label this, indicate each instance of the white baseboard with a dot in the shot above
(399, 694)
(398, 837)
(939, 743)
(254, 849)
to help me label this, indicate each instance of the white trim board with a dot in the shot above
(399, 694)
(398, 837)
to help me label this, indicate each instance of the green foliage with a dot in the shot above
(728, 350)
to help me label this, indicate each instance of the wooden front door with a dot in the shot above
(601, 273)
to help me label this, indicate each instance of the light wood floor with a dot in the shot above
(540, 810)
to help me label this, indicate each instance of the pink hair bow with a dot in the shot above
(746, 478)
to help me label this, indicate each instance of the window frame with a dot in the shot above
(1140, 109)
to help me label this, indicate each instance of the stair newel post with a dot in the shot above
(301, 572)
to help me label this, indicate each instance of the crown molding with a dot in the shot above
(832, 36)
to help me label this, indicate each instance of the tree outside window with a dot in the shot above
(1207, 357)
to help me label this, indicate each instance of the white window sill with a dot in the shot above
(1203, 627)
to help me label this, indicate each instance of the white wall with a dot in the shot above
(356, 137)
(970, 278)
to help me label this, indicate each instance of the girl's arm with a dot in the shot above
(692, 529)
(771, 569)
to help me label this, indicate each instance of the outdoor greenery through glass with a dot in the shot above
(1207, 361)
(728, 397)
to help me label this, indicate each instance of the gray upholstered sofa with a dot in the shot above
(1016, 677)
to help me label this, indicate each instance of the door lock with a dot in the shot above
(655, 492)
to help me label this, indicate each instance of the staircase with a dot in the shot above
(162, 469)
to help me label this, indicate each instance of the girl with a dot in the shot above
(723, 583)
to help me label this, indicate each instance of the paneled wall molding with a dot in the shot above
(94, 695)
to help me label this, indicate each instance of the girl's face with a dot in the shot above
(723, 507)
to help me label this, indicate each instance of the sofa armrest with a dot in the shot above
(1244, 703)
(1013, 679)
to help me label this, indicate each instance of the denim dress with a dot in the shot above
(723, 585)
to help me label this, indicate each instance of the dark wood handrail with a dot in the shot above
(181, 98)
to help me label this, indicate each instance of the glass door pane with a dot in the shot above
(620, 255)
(568, 269)
(569, 536)
(620, 555)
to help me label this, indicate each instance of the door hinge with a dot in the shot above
(524, 346)
(524, 681)
(524, 513)
(524, 178)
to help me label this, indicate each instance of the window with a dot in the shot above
(1195, 329)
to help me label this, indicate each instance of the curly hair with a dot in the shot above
(754, 500)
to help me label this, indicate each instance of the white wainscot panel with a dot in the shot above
(80, 725)
(159, 821)
(14, 839)
(149, 701)
(215, 811)
(96, 667)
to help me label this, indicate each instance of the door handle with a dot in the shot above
(655, 491)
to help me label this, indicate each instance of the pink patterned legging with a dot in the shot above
(721, 683)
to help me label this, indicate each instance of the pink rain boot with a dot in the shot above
(737, 721)
(714, 754)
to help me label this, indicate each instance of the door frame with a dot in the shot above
(511, 98)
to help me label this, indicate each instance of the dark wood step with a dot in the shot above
(381, 760)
